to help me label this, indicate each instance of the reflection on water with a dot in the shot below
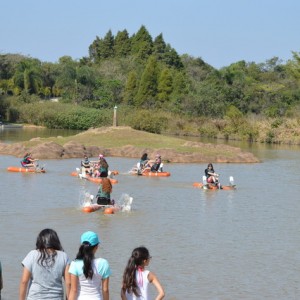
(261, 150)
(241, 244)
(11, 135)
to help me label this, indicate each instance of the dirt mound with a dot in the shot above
(51, 150)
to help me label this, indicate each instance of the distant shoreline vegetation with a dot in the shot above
(155, 90)
(232, 127)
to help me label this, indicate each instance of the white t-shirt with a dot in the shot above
(90, 289)
(143, 282)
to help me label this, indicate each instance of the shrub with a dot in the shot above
(276, 123)
(149, 121)
(208, 130)
(270, 136)
(58, 115)
(248, 132)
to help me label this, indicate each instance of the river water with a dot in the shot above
(241, 244)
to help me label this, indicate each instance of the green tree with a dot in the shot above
(293, 66)
(94, 50)
(141, 43)
(122, 45)
(208, 98)
(195, 68)
(86, 82)
(165, 87)
(102, 49)
(159, 47)
(6, 86)
(28, 76)
(8, 63)
(131, 88)
(172, 59)
(147, 91)
(107, 93)
(180, 83)
(50, 72)
(67, 79)
(107, 46)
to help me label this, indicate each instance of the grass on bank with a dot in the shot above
(115, 137)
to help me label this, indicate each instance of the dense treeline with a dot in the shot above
(139, 72)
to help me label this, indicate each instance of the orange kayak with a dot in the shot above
(213, 187)
(25, 170)
(107, 209)
(136, 170)
(159, 174)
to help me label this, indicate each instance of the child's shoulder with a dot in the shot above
(101, 261)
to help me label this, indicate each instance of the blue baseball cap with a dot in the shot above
(90, 237)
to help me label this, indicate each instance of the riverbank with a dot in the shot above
(8, 125)
(127, 142)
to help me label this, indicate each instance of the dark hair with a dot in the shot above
(144, 156)
(47, 239)
(103, 163)
(138, 256)
(210, 165)
(86, 253)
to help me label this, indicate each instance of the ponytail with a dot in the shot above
(86, 253)
(129, 280)
(138, 256)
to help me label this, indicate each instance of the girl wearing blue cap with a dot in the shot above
(89, 275)
(136, 278)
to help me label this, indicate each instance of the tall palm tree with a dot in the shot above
(28, 76)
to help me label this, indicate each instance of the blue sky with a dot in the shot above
(220, 32)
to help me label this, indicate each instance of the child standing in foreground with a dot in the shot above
(89, 275)
(136, 278)
(44, 269)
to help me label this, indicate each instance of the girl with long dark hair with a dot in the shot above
(136, 278)
(211, 175)
(45, 267)
(89, 275)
